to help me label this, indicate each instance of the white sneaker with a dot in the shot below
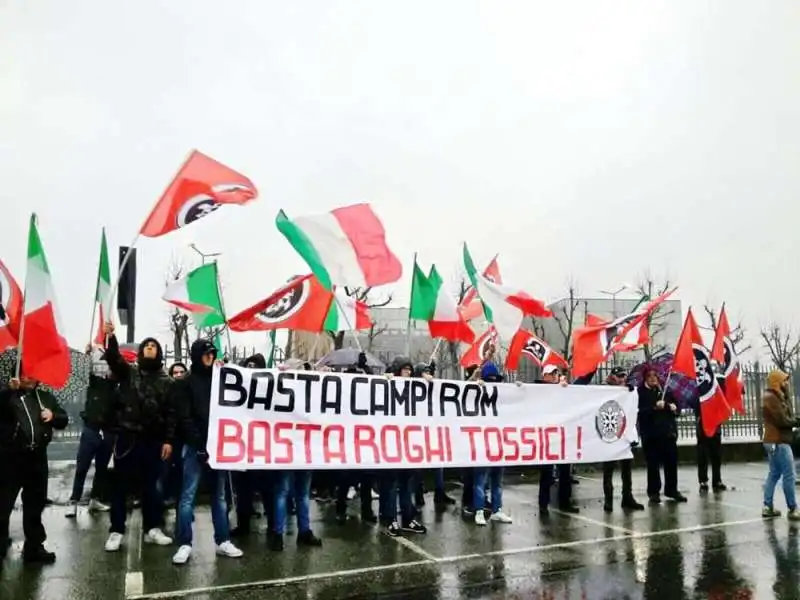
(97, 506)
(501, 517)
(351, 493)
(113, 542)
(480, 518)
(157, 537)
(375, 495)
(229, 550)
(72, 510)
(182, 555)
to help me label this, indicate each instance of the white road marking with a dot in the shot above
(597, 522)
(134, 578)
(406, 543)
(444, 560)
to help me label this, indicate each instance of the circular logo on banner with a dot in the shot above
(487, 343)
(287, 305)
(535, 349)
(5, 289)
(729, 363)
(705, 378)
(610, 422)
(196, 208)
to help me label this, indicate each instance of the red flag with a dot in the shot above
(201, 186)
(301, 304)
(723, 352)
(693, 360)
(10, 309)
(479, 350)
(527, 344)
(471, 307)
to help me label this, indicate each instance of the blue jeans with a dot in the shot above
(192, 473)
(298, 485)
(781, 466)
(495, 476)
(92, 447)
(390, 485)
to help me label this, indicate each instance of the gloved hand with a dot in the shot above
(202, 457)
(634, 445)
(630, 387)
(432, 367)
(362, 361)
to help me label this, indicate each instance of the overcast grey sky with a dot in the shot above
(591, 140)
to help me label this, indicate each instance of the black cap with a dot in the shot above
(618, 372)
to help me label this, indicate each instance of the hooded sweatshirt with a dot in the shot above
(256, 361)
(193, 394)
(776, 409)
(144, 406)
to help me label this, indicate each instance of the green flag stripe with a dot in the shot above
(303, 246)
(203, 288)
(423, 297)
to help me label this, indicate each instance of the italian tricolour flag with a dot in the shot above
(346, 313)
(503, 306)
(102, 290)
(345, 247)
(430, 302)
(198, 293)
(44, 350)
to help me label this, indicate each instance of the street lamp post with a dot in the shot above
(614, 314)
(203, 257)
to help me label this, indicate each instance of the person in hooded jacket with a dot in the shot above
(658, 429)
(28, 416)
(143, 433)
(779, 423)
(393, 482)
(193, 396)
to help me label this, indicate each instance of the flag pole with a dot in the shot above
(96, 289)
(18, 366)
(408, 324)
(347, 320)
(435, 350)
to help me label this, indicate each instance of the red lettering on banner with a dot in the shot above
(471, 432)
(509, 440)
(528, 436)
(449, 445)
(364, 437)
(226, 436)
(492, 434)
(285, 441)
(307, 429)
(433, 453)
(415, 453)
(386, 444)
(548, 431)
(253, 451)
(563, 443)
(328, 453)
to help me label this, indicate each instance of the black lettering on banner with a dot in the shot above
(449, 393)
(230, 380)
(266, 399)
(331, 394)
(470, 400)
(284, 387)
(419, 393)
(378, 398)
(354, 410)
(400, 397)
(489, 400)
(308, 378)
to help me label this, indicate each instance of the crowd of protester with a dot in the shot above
(154, 422)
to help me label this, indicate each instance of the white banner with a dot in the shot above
(269, 419)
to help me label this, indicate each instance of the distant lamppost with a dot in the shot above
(203, 257)
(614, 294)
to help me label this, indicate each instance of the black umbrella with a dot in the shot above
(348, 357)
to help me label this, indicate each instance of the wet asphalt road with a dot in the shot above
(712, 547)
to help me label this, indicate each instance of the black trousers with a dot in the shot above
(360, 478)
(661, 453)
(24, 470)
(709, 450)
(468, 480)
(246, 484)
(608, 479)
(546, 480)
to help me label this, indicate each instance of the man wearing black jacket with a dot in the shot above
(93, 445)
(551, 375)
(617, 376)
(28, 416)
(658, 429)
(193, 395)
(143, 433)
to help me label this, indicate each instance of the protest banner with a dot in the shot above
(269, 419)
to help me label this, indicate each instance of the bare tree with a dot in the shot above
(783, 345)
(649, 289)
(179, 321)
(564, 316)
(738, 332)
(366, 296)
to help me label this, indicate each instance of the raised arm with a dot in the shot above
(113, 357)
